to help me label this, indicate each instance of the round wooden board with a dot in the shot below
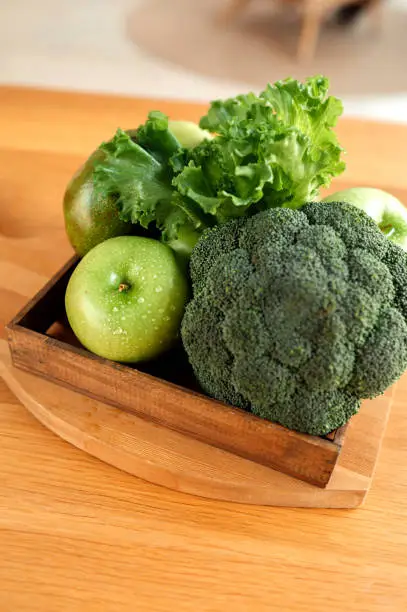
(83, 535)
(170, 459)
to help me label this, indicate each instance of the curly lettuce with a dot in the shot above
(135, 168)
(276, 149)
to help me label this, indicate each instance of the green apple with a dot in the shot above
(388, 212)
(126, 298)
(188, 133)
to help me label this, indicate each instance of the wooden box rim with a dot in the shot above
(302, 456)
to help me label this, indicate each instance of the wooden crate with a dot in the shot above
(163, 392)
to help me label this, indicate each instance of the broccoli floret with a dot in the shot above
(210, 372)
(396, 262)
(298, 315)
(212, 245)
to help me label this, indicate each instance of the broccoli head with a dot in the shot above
(298, 315)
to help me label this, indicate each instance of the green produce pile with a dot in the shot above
(275, 149)
(290, 308)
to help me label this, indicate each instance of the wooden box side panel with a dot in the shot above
(307, 458)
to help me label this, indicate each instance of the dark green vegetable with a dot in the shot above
(275, 149)
(297, 315)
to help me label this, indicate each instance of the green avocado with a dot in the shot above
(90, 218)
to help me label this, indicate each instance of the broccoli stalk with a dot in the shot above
(298, 315)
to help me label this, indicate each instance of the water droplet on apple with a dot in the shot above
(140, 300)
(119, 332)
(158, 289)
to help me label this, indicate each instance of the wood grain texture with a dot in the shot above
(169, 458)
(81, 535)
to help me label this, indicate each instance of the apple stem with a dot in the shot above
(123, 287)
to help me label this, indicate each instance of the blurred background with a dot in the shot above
(205, 49)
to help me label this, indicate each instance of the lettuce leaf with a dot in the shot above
(135, 168)
(273, 149)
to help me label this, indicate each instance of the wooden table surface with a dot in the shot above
(76, 534)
